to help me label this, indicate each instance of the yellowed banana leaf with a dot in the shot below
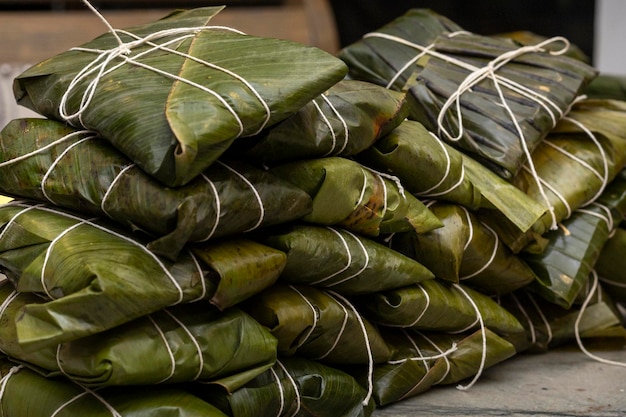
(333, 258)
(345, 120)
(318, 325)
(174, 94)
(184, 343)
(352, 196)
(95, 277)
(48, 161)
(294, 387)
(466, 250)
(27, 394)
(488, 96)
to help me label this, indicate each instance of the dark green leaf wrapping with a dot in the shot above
(317, 325)
(342, 261)
(28, 394)
(607, 86)
(436, 305)
(487, 131)
(97, 278)
(465, 250)
(183, 343)
(354, 197)
(611, 265)
(294, 386)
(345, 120)
(173, 129)
(83, 172)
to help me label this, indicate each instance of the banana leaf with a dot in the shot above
(293, 387)
(49, 161)
(438, 306)
(607, 86)
(611, 265)
(465, 250)
(318, 325)
(185, 343)
(27, 394)
(332, 258)
(423, 360)
(174, 94)
(351, 196)
(347, 119)
(488, 96)
(524, 37)
(575, 163)
(95, 277)
(548, 325)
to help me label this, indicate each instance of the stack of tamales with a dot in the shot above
(209, 223)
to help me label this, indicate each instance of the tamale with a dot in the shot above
(174, 94)
(349, 264)
(352, 196)
(48, 161)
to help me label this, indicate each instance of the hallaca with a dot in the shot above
(489, 96)
(174, 94)
(179, 344)
(465, 250)
(48, 161)
(339, 260)
(352, 196)
(95, 277)
(25, 393)
(345, 120)
(318, 325)
(293, 387)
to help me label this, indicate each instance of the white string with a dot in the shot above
(546, 323)
(491, 259)
(577, 326)
(254, 191)
(470, 226)
(363, 268)
(362, 196)
(170, 352)
(348, 253)
(483, 357)
(531, 325)
(540, 186)
(295, 387)
(105, 197)
(427, 193)
(218, 208)
(426, 306)
(610, 222)
(281, 392)
(390, 177)
(200, 275)
(342, 329)
(304, 339)
(346, 131)
(195, 342)
(452, 349)
(5, 380)
(368, 347)
(86, 391)
(124, 49)
(13, 219)
(5, 304)
(331, 130)
(445, 358)
(606, 281)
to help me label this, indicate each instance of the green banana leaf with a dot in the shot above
(574, 167)
(548, 325)
(96, 278)
(423, 360)
(611, 265)
(49, 161)
(345, 120)
(176, 93)
(438, 306)
(332, 258)
(185, 343)
(607, 86)
(317, 325)
(524, 37)
(27, 394)
(465, 250)
(293, 387)
(352, 196)
(451, 78)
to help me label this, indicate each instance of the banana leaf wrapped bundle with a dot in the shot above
(548, 325)
(611, 265)
(174, 94)
(489, 96)
(95, 277)
(184, 343)
(465, 250)
(293, 387)
(437, 306)
(318, 325)
(26, 393)
(336, 259)
(528, 38)
(422, 360)
(49, 161)
(575, 163)
(607, 86)
(345, 120)
(347, 194)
